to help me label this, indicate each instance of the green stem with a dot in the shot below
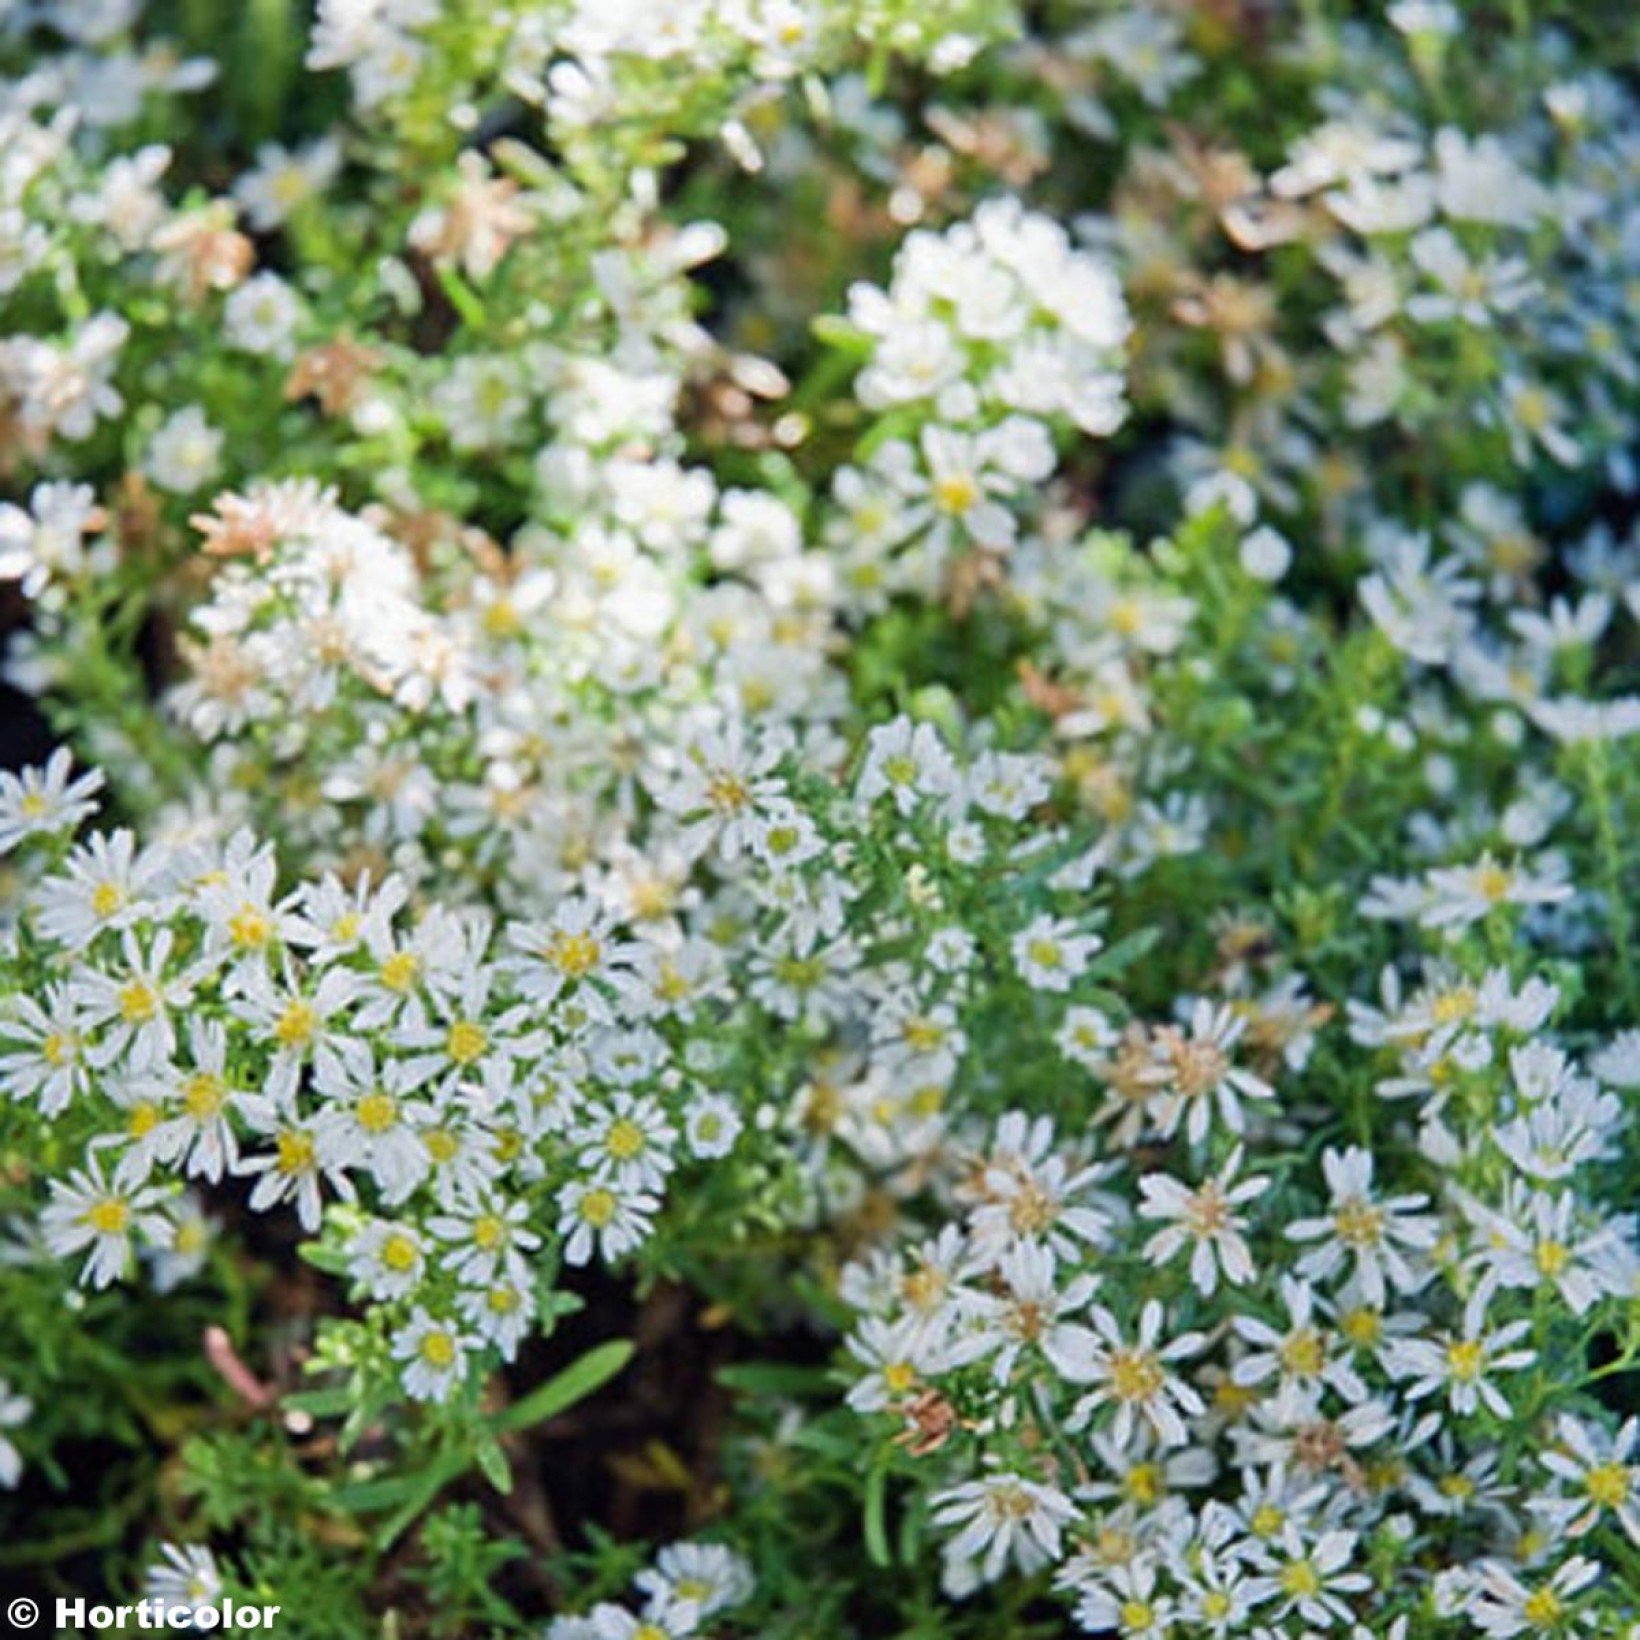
(1611, 867)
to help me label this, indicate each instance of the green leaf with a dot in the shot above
(573, 1384)
(774, 1378)
(876, 1509)
(319, 1403)
(332, 1260)
(427, 1486)
(493, 1462)
(463, 298)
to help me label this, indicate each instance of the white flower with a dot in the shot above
(1509, 1603)
(281, 181)
(14, 1412)
(1600, 1473)
(1265, 555)
(1200, 1077)
(387, 1259)
(1462, 1363)
(88, 1212)
(1004, 1517)
(1204, 1219)
(370, 1121)
(1310, 1578)
(185, 1575)
(907, 762)
(1030, 1313)
(104, 884)
(1305, 1358)
(898, 1355)
(186, 453)
(44, 542)
(293, 1168)
(434, 1354)
(39, 802)
(261, 316)
(694, 1581)
(42, 1050)
(1134, 1377)
(200, 1137)
(1459, 895)
(722, 787)
(1373, 1235)
(1051, 954)
(711, 1125)
(594, 1214)
(627, 1144)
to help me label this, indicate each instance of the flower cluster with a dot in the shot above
(917, 720)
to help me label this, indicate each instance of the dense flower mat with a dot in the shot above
(845, 833)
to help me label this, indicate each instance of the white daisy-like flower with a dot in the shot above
(1004, 1518)
(41, 802)
(1134, 1376)
(1204, 1219)
(434, 1355)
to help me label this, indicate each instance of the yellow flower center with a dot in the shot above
(400, 970)
(1135, 1375)
(399, 1253)
(899, 1376)
(1451, 1006)
(1608, 1484)
(1552, 1258)
(202, 1095)
(295, 1152)
(138, 1004)
(466, 1042)
(377, 1112)
(1300, 1580)
(249, 928)
(574, 955)
(106, 899)
(1358, 1223)
(295, 1026)
(956, 493)
(60, 1048)
(1363, 1326)
(1542, 1609)
(109, 1217)
(1465, 1358)
(438, 1349)
(625, 1140)
(598, 1208)
(1304, 1353)
(502, 620)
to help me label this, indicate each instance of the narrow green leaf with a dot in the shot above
(573, 1384)
(493, 1462)
(876, 1510)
